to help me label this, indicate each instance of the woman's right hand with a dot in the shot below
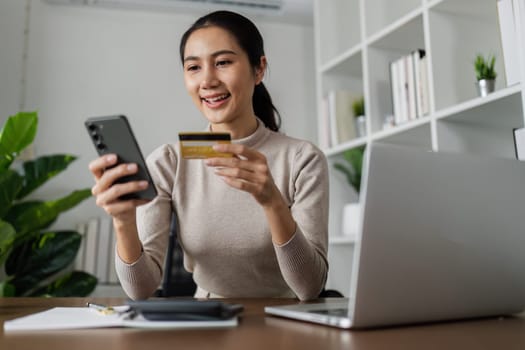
(107, 191)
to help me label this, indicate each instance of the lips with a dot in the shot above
(216, 98)
(215, 101)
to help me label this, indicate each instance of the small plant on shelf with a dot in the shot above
(484, 67)
(358, 106)
(485, 74)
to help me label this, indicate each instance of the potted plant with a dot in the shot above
(352, 171)
(36, 260)
(358, 106)
(485, 74)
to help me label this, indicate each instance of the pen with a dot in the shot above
(106, 310)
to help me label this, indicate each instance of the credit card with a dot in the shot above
(198, 145)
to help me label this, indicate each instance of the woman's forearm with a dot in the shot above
(129, 247)
(280, 220)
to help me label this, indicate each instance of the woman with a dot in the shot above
(253, 225)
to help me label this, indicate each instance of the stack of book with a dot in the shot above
(97, 250)
(409, 83)
(337, 124)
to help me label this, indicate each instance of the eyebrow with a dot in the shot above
(215, 54)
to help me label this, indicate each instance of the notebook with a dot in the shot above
(63, 318)
(441, 237)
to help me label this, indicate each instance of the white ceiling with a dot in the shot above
(293, 11)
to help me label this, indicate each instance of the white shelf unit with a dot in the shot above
(357, 39)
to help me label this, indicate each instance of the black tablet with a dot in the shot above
(188, 310)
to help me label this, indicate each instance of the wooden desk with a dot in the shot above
(258, 331)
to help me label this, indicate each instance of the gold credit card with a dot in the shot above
(198, 145)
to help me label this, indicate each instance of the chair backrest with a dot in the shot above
(176, 280)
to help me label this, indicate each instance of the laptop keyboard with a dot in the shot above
(343, 312)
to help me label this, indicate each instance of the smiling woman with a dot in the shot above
(251, 225)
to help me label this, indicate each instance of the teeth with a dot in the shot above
(218, 98)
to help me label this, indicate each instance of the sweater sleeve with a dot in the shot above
(303, 259)
(141, 278)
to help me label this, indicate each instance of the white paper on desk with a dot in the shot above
(60, 318)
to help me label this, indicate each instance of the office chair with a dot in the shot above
(176, 281)
(179, 282)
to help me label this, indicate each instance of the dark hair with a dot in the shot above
(250, 40)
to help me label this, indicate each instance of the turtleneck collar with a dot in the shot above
(251, 140)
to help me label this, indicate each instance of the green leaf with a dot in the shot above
(35, 215)
(18, 133)
(31, 216)
(37, 172)
(10, 185)
(39, 258)
(7, 238)
(73, 284)
(354, 158)
(71, 200)
(484, 67)
(7, 290)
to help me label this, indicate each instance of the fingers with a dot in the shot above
(117, 208)
(113, 193)
(98, 166)
(242, 174)
(244, 158)
(239, 150)
(110, 176)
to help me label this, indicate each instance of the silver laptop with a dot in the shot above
(442, 237)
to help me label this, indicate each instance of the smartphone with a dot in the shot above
(113, 134)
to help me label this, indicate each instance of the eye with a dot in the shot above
(223, 63)
(193, 67)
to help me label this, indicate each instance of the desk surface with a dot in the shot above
(258, 331)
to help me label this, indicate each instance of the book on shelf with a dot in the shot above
(79, 260)
(103, 250)
(509, 41)
(324, 129)
(340, 119)
(90, 254)
(112, 272)
(409, 85)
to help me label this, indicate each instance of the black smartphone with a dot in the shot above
(113, 134)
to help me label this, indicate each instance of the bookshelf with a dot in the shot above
(356, 40)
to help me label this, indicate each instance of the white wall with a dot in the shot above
(91, 61)
(11, 49)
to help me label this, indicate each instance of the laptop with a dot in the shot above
(441, 237)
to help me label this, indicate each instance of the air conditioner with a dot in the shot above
(264, 7)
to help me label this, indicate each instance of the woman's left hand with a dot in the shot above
(247, 170)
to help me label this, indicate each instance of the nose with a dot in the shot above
(209, 78)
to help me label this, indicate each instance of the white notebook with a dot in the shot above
(60, 318)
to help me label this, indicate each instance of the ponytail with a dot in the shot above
(264, 108)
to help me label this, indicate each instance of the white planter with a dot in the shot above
(485, 86)
(360, 126)
(351, 214)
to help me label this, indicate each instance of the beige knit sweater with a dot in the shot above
(224, 232)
